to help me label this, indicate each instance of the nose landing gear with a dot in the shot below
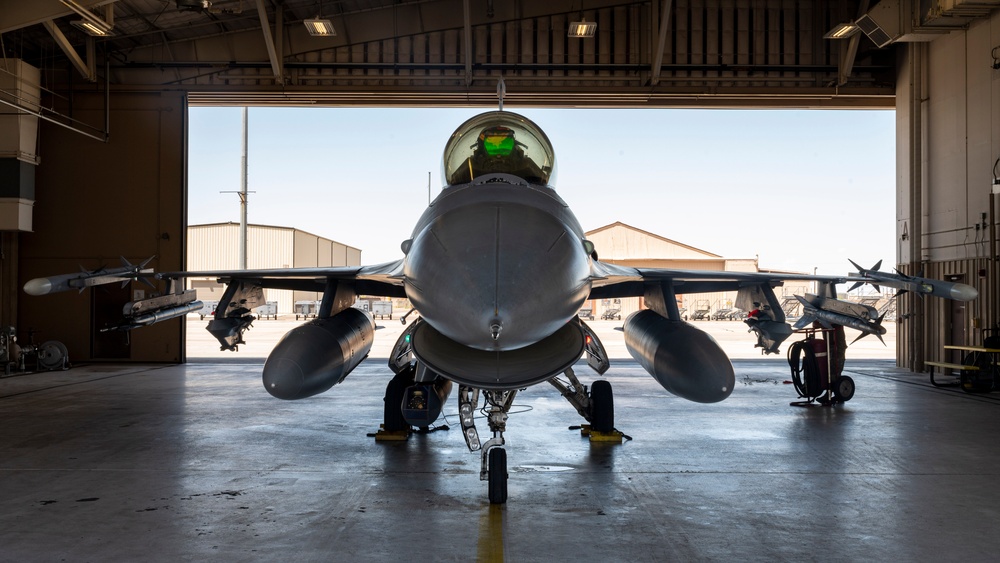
(494, 457)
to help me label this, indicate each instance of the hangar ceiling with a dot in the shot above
(692, 53)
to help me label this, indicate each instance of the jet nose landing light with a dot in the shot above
(499, 142)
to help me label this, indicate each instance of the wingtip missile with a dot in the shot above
(917, 284)
(39, 286)
(82, 280)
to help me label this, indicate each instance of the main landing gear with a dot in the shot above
(596, 407)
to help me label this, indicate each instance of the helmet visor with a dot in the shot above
(497, 141)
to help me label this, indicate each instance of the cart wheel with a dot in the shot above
(843, 389)
(977, 381)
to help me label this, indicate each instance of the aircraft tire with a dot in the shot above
(602, 406)
(498, 475)
(393, 420)
(843, 389)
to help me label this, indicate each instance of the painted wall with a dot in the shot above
(948, 138)
(97, 201)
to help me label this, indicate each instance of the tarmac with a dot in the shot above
(197, 462)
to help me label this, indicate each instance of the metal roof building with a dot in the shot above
(215, 246)
(626, 245)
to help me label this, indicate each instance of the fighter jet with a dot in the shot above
(497, 267)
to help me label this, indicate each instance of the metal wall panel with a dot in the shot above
(214, 247)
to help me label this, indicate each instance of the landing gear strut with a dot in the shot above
(494, 458)
(597, 407)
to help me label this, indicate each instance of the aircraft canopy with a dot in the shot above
(499, 141)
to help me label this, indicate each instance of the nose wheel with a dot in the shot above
(494, 457)
(497, 472)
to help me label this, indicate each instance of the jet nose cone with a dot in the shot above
(497, 276)
(962, 292)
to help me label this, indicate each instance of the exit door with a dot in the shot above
(106, 309)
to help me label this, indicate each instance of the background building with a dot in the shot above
(215, 246)
(626, 245)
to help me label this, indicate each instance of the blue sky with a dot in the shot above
(802, 189)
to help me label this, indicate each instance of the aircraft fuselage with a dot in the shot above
(497, 264)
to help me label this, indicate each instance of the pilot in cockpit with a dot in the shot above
(497, 151)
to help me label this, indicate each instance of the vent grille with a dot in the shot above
(873, 31)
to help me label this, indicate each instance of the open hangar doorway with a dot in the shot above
(744, 183)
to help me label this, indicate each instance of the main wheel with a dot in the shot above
(498, 475)
(602, 406)
(843, 389)
(392, 414)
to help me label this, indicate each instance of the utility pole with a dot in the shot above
(243, 196)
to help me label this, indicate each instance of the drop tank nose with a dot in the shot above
(497, 276)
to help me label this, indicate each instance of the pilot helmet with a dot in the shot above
(497, 140)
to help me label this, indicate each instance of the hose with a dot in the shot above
(805, 370)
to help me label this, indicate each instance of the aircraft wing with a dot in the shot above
(380, 279)
(611, 280)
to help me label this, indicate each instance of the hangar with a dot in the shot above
(209, 248)
(97, 114)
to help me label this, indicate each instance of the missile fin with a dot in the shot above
(862, 335)
(856, 285)
(878, 328)
(877, 266)
(804, 321)
(855, 264)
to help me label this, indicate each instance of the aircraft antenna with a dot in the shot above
(501, 91)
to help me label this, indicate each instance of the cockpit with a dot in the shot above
(499, 142)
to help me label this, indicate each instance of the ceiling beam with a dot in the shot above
(850, 54)
(15, 15)
(87, 69)
(467, 24)
(667, 7)
(265, 27)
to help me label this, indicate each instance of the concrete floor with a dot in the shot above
(197, 462)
